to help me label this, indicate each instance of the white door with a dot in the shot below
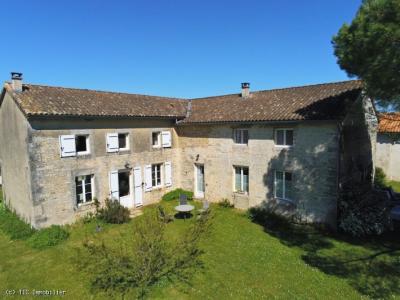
(125, 190)
(199, 181)
(114, 186)
(137, 182)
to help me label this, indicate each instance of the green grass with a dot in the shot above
(242, 260)
(394, 184)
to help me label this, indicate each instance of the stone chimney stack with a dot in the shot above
(16, 81)
(245, 90)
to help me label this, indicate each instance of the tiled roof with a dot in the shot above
(313, 102)
(389, 122)
(39, 100)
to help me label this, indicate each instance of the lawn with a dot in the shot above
(241, 260)
(395, 185)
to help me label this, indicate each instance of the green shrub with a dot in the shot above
(113, 212)
(225, 203)
(48, 237)
(267, 217)
(13, 226)
(174, 195)
(380, 178)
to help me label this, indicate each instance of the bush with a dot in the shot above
(380, 178)
(48, 237)
(113, 212)
(225, 203)
(13, 226)
(267, 217)
(142, 257)
(174, 195)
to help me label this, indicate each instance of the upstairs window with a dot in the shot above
(284, 137)
(72, 145)
(242, 180)
(283, 185)
(117, 142)
(156, 139)
(123, 142)
(241, 136)
(161, 139)
(84, 189)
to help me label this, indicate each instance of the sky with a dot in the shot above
(179, 48)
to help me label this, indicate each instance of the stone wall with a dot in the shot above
(388, 155)
(54, 177)
(15, 165)
(313, 160)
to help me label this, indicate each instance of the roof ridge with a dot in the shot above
(102, 91)
(284, 88)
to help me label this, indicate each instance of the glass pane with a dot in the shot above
(88, 197)
(237, 136)
(123, 179)
(200, 178)
(122, 141)
(80, 143)
(289, 137)
(238, 179)
(88, 187)
(279, 184)
(288, 186)
(279, 137)
(158, 168)
(155, 138)
(246, 180)
(245, 136)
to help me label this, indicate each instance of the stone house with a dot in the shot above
(388, 145)
(288, 148)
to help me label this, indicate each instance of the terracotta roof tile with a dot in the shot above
(313, 102)
(389, 122)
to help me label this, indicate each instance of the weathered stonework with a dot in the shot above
(388, 154)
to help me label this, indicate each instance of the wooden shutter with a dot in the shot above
(166, 139)
(114, 185)
(147, 177)
(168, 173)
(67, 145)
(112, 142)
(137, 175)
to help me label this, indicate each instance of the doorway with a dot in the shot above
(199, 181)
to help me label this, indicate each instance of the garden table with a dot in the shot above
(184, 209)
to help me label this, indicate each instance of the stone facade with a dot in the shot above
(388, 154)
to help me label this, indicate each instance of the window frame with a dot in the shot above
(284, 185)
(85, 201)
(241, 191)
(285, 130)
(241, 142)
(126, 134)
(155, 179)
(158, 139)
(87, 144)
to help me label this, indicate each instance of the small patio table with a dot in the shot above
(184, 209)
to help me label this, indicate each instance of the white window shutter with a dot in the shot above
(114, 185)
(112, 142)
(166, 139)
(67, 145)
(168, 173)
(147, 177)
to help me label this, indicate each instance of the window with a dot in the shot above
(123, 182)
(123, 142)
(84, 189)
(241, 136)
(72, 145)
(284, 137)
(156, 175)
(82, 144)
(283, 185)
(242, 179)
(156, 139)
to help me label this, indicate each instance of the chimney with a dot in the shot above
(245, 89)
(16, 81)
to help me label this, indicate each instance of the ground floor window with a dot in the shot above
(84, 189)
(242, 179)
(283, 185)
(156, 175)
(123, 182)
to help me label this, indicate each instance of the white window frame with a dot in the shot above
(158, 139)
(285, 130)
(126, 141)
(87, 144)
(160, 165)
(284, 185)
(241, 142)
(241, 191)
(85, 201)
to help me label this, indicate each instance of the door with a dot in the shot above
(199, 181)
(124, 183)
(138, 190)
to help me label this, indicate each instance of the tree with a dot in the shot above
(369, 48)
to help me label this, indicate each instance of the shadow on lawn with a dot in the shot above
(371, 266)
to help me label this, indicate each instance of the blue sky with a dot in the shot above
(173, 48)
